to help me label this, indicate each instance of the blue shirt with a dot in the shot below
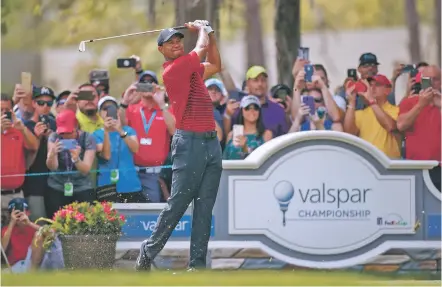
(121, 158)
(305, 126)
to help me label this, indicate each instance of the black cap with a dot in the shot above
(18, 204)
(275, 89)
(62, 94)
(368, 58)
(166, 34)
(42, 91)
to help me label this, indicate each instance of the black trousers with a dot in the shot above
(55, 199)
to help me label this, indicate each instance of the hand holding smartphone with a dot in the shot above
(238, 130)
(124, 63)
(309, 101)
(85, 96)
(26, 82)
(426, 83)
(309, 70)
(352, 74)
(112, 112)
(145, 87)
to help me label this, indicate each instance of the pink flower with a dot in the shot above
(80, 217)
(122, 218)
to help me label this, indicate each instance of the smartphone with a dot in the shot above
(281, 94)
(414, 72)
(126, 63)
(69, 144)
(9, 115)
(408, 68)
(304, 53)
(426, 83)
(144, 87)
(26, 82)
(238, 130)
(112, 112)
(44, 119)
(85, 96)
(237, 95)
(352, 74)
(310, 102)
(308, 73)
(98, 75)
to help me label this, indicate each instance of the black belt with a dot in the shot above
(10, 191)
(203, 135)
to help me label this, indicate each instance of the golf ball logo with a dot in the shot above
(283, 192)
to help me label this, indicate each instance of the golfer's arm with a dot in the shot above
(202, 44)
(213, 60)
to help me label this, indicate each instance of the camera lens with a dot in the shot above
(126, 63)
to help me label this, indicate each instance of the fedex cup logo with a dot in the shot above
(283, 192)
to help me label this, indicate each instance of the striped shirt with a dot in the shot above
(188, 95)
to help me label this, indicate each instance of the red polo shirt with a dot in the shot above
(21, 239)
(155, 153)
(423, 139)
(185, 87)
(13, 159)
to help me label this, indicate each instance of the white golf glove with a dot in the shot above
(205, 24)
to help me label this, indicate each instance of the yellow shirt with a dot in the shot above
(372, 131)
(87, 125)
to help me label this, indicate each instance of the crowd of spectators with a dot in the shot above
(87, 143)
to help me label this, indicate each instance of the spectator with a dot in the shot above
(217, 93)
(154, 124)
(320, 120)
(376, 123)
(60, 100)
(76, 184)
(22, 247)
(148, 76)
(42, 125)
(420, 120)
(16, 139)
(23, 100)
(283, 95)
(99, 79)
(255, 133)
(116, 146)
(273, 115)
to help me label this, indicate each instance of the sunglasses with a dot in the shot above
(61, 102)
(318, 100)
(252, 106)
(42, 103)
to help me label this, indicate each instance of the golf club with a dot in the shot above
(82, 46)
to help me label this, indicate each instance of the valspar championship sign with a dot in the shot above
(322, 200)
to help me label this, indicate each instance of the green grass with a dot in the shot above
(206, 278)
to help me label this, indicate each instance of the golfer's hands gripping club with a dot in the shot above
(198, 24)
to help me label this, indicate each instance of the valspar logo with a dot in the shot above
(323, 201)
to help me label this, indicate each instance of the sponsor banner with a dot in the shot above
(142, 226)
(322, 200)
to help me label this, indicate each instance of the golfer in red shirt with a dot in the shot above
(196, 151)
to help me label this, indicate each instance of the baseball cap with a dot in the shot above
(18, 204)
(381, 79)
(62, 94)
(368, 58)
(66, 121)
(148, 73)
(249, 100)
(42, 91)
(106, 99)
(275, 89)
(166, 34)
(254, 71)
(217, 83)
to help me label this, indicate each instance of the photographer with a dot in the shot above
(42, 125)
(16, 138)
(116, 146)
(154, 124)
(69, 150)
(100, 80)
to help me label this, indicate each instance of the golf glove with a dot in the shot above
(205, 24)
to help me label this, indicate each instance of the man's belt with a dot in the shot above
(10, 191)
(148, 169)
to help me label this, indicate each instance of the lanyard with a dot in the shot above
(149, 124)
(69, 164)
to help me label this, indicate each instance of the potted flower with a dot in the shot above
(88, 234)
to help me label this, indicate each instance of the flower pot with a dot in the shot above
(89, 251)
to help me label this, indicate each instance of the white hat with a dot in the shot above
(249, 100)
(106, 99)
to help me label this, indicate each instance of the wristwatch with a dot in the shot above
(123, 135)
(75, 161)
(124, 106)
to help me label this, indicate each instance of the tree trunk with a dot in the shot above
(287, 37)
(413, 30)
(254, 43)
(151, 15)
(437, 29)
(191, 10)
